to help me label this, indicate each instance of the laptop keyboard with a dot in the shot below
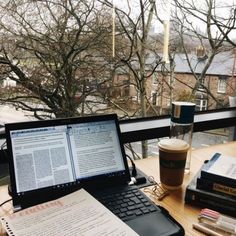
(127, 204)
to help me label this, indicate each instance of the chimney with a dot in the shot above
(201, 53)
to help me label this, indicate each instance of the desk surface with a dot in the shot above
(185, 214)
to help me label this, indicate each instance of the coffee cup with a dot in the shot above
(172, 159)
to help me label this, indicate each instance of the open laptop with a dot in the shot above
(51, 158)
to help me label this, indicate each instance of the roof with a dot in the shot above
(222, 64)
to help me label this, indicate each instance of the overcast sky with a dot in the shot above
(163, 6)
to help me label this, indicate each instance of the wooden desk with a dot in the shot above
(174, 203)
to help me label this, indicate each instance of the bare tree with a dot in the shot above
(211, 24)
(134, 50)
(48, 49)
(52, 49)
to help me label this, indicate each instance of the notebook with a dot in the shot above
(51, 158)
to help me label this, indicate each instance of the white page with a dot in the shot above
(41, 158)
(75, 214)
(225, 166)
(96, 149)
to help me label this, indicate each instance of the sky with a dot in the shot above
(163, 9)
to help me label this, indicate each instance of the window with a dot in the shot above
(154, 78)
(201, 104)
(154, 98)
(168, 104)
(171, 80)
(221, 85)
(201, 83)
(64, 51)
(126, 88)
(201, 101)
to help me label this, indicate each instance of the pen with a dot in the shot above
(205, 230)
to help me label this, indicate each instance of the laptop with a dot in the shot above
(51, 158)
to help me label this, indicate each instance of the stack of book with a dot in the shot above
(214, 186)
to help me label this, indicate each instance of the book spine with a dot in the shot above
(214, 203)
(217, 178)
(216, 187)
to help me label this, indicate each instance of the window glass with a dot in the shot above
(155, 79)
(201, 105)
(221, 86)
(88, 57)
(199, 140)
(133, 58)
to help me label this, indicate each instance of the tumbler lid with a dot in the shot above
(182, 112)
(173, 145)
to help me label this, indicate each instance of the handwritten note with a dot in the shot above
(75, 214)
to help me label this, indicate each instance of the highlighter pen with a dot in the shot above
(205, 230)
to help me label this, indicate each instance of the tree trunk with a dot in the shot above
(144, 114)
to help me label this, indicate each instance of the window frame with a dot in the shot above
(140, 129)
(157, 127)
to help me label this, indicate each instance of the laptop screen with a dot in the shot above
(65, 152)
